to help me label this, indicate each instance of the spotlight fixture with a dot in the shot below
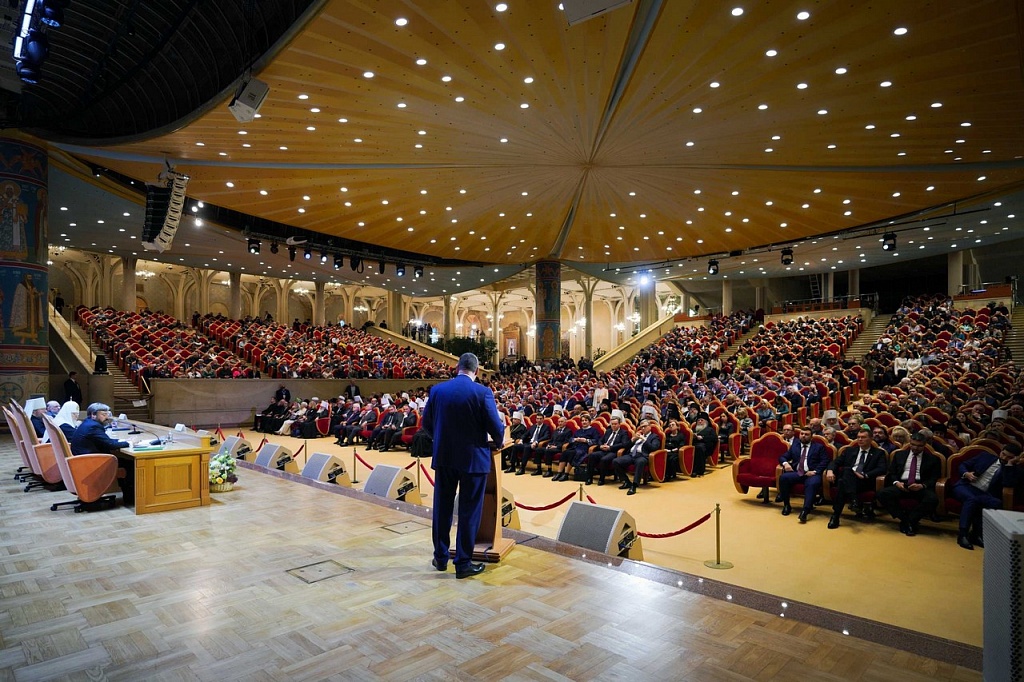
(417, 271)
(889, 241)
(323, 258)
(338, 261)
(380, 267)
(274, 248)
(787, 256)
(254, 246)
(291, 253)
(356, 263)
(308, 253)
(400, 270)
(712, 267)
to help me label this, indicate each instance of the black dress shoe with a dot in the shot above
(469, 571)
(978, 541)
(786, 509)
(538, 472)
(911, 530)
(520, 472)
(763, 495)
(964, 542)
(625, 484)
(803, 516)
(437, 566)
(778, 498)
(632, 490)
(509, 470)
(904, 526)
(549, 473)
(833, 522)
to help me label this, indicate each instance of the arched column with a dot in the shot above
(726, 296)
(128, 265)
(319, 302)
(648, 304)
(235, 294)
(589, 285)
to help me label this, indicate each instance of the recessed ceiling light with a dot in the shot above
(803, 16)
(342, 120)
(367, 74)
(737, 11)
(870, 126)
(936, 105)
(801, 86)
(401, 21)
(503, 140)
(822, 112)
(697, 110)
(401, 105)
(524, 105)
(263, 192)
(460, 99)
(762, 107)
(303, 96)
(315, 110)
(714, 84)
(771, 53)
(499, 46)
(901, 31)
(421, 61)
(500, 7)
(840, 70)
(965, 124)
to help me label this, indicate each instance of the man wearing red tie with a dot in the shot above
(911, 479)
(804, 462)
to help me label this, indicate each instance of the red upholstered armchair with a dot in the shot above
(758, 470)
(370, 426)
(944, 486)
(409, 431)
(798, 488)
(89, 477)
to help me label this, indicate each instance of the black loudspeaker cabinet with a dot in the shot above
(326, 469)
(602, 529)
(392, 482)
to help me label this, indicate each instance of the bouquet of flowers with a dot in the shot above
(222, 469)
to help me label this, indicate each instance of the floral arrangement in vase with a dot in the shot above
(222, 472)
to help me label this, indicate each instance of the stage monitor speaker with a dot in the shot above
(509, 511)
(100, 366)
(391, 482)
(239, 447)
(276, 457)
(581, 10)
(326, 469)
(246, 104)
(602, 529)
(1003, 595)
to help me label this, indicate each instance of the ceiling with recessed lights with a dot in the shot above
(661, 135)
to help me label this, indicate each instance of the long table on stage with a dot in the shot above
(175, 475)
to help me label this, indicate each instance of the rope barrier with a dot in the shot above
(363, 461)
(693, 525)
(549, 506)
(221, 434)
(411, 465)
(262, 443)
(591, 500)
(299, 451)
(427, 474)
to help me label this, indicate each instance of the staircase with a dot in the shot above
(125, 392)
(859, 348)
(735, 348)
(1014, 341)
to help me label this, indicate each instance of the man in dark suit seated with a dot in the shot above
(704, 440)
(559, 439)
(575, 455)
(805, 462)
(408, 418)
(912, 475)
(982, 479)
(91, 437)
(516, 434)
(645, 441)
(536, 437)
(612, 444)
(854, 471)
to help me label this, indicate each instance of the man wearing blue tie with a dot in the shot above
(804, 462)
(463, 419)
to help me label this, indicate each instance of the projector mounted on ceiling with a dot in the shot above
(246, 104)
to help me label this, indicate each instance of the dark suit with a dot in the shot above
(817, 461)
(600, 460)
(536, 436)
(848, 484)
(925, 500)
(638, 456)
(72, 391)
(460, 416)
(391, 434)
(38, 426)
(554, 447)
(704, 441)
(90, 437)
(973, 498)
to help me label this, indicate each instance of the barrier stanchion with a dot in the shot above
(419, 484)
(354, 478)
(262, 443)
(718, 563)
(581, 492)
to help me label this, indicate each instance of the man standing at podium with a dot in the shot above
(460, 416)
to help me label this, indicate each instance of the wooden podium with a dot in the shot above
(490, 546)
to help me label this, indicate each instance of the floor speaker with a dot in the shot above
(509, 511)
(602, 529)
(326, 469)
(239, 447)
(394, 483)
(277, 457)
(1003, 595)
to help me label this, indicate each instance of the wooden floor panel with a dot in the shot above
(207, 594)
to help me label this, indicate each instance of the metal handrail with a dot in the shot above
(75, 341)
